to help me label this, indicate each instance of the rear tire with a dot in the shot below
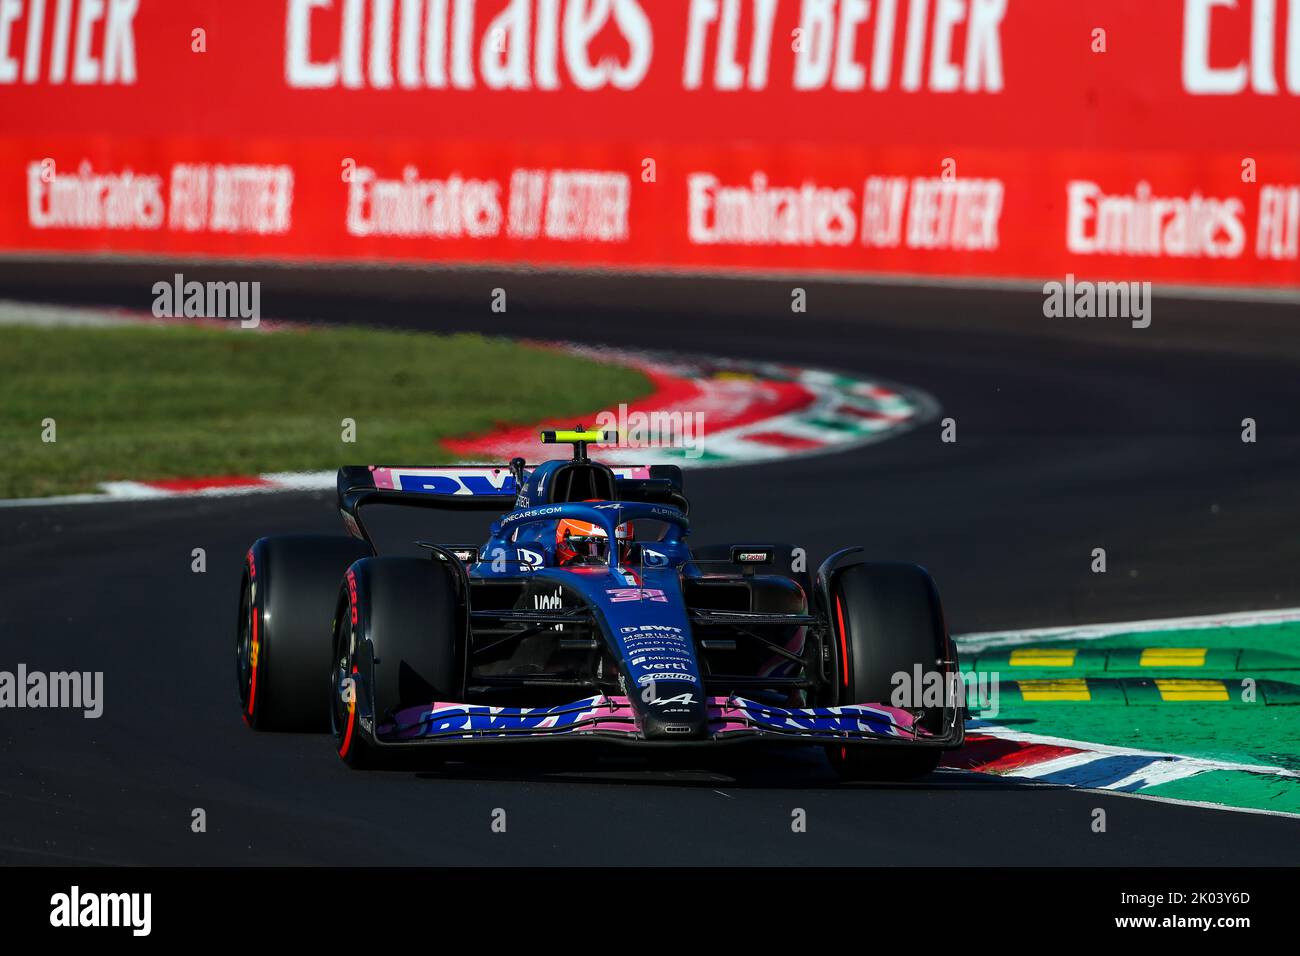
(399, 637)
(888, 618)
(282, 645)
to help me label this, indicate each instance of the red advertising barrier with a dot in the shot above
(1157, 140)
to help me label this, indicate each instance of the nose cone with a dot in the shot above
(673, 710)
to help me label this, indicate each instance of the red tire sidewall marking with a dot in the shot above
(255, 651)
(255, 663)
(352, 718)
(844, 645)
(346, 745)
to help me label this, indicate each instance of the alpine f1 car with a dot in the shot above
(585, 616)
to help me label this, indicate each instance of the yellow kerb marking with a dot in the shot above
(1192, 690)
(1172, 657)
(1043, 657)
(1075, 688)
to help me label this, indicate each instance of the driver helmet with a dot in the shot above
(585, 543)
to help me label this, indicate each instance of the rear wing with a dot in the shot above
(478, 488)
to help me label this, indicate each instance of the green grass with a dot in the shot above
(1253, 734)
(173, 401)
(1246, 734)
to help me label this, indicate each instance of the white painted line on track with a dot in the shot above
(1205, 763)
(974, 643)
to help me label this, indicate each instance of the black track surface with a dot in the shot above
(1069, 438)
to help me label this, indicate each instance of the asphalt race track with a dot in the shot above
(1068, 439)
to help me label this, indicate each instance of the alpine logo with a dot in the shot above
(679, 699)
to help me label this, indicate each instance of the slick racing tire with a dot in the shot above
(398, 643)
(887, 619)
(282, 645)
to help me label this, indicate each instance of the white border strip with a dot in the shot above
(1165, 768)
(988, 640)
(120, 491)
(1111, 750)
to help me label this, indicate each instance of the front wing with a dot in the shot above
(612, 718)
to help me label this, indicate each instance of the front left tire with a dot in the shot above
(282, 642)
(886, 621)
(398, 644)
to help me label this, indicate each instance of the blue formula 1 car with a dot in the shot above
(586, 616)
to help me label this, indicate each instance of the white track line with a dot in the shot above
(1205, 763)
(117, 492)
(1162, 768)
(968, 643)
